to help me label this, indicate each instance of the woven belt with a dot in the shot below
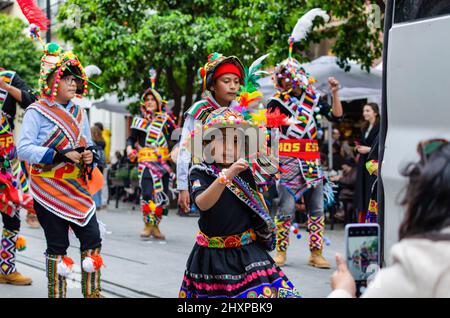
(59, 171)
(153, 154)
(231, 241)
(306, 149)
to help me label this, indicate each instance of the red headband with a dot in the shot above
(227, 68)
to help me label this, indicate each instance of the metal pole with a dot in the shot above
(330, 139)
(48, 35)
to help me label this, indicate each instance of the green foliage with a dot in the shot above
(18, 52)
(125, 38)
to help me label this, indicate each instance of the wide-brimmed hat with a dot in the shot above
(252, 132)
(215, 60)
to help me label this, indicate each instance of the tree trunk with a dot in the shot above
(175, 90)
(189, 87)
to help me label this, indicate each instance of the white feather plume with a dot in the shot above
(92, 70)
(304, 24)
(257, 64)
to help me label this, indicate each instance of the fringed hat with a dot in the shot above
(152, 75)
(57, 61)
(292, 70)
(218, 65)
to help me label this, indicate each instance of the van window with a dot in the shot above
(409, 10)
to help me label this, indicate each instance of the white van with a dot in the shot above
(416, 95)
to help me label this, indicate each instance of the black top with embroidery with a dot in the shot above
(229, 215)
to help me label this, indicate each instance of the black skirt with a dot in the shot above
(242, 272)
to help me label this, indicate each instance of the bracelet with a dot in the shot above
(223, 179)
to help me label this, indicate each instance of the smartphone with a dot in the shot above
(362, 253)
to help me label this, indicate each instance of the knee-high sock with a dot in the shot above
(90, 277)
(57, 284)
(8, 252)
(283, 225)
(316, 226)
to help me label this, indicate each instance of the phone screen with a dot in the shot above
(363, 253)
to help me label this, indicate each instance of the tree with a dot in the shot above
(18, 52)
(124, 38)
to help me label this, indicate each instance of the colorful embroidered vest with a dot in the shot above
(158, 129)
(201, 109)
(6, 134)
(303, 128)
(59, 189)
(7, 77)
(7, 147)
(302, 113)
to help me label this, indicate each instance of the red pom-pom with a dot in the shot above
(202, 72)
(276, 119)
(159, 211)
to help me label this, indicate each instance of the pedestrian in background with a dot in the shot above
(100, 145)
(367, 150)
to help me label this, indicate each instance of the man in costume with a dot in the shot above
(221, 77)
(55, 139)
(13, 180)
(15, 90)
(149, 142)
(297, 101)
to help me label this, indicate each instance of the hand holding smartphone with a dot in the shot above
(362, 253)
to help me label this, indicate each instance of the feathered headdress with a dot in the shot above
(151, 90)
(56, 61)
(291, 68)
(34, 14)
(304, 25)
(249, 93)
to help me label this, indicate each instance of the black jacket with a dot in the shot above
(28, 97)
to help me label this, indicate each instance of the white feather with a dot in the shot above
(304, 24)
(92, 70)
(256, 63)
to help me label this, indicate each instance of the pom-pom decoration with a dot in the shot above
(65, 266)
(276, 119)
(21, 244)
(152, 74)
(92, 263)
(259, 117)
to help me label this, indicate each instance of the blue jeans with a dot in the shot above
(98, 199)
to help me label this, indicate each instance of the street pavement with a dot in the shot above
(136, 268)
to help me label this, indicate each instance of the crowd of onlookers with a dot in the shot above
(354, 184)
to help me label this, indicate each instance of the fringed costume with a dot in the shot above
(150, 141)
(62, 189)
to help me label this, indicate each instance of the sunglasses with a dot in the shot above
(428, 147)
